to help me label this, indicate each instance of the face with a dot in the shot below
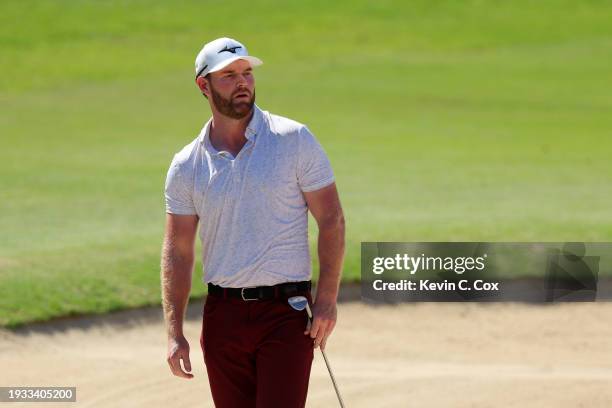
(232, 90)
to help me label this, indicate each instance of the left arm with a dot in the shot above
(324, 204)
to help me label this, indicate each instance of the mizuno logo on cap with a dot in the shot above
(228, 49)
(202, 70)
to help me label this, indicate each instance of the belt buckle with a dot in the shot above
(242, 294)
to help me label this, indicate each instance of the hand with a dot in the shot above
(178, 349)
(323, 322)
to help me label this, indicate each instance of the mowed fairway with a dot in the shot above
(470, 121)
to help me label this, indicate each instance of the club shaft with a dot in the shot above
(331, 374)
(333, 379)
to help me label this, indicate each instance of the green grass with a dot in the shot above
(474, 120)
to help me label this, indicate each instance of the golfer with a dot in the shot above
(248, 181)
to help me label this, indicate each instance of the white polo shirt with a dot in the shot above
(253, 216)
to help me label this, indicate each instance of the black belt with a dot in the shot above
(260, 292)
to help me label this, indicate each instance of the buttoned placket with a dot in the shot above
(233, 162)
(235, 166)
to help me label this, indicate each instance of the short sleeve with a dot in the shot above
(313, 168)
(178, 192)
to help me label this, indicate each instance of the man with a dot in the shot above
(248, 181)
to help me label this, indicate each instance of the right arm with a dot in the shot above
(176, 271)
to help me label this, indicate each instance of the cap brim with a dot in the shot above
(254, 61)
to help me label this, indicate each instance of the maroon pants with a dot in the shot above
(256, 353)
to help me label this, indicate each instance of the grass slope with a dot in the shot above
(475, 120)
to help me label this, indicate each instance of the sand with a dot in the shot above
(410, 355)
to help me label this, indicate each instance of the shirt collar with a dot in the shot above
(250, 132)
(254, 123)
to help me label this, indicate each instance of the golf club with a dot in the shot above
(300, 303)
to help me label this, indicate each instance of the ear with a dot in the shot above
(203, 85)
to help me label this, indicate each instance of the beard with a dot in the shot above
(230, 107)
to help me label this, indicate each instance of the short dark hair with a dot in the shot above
(207, 77)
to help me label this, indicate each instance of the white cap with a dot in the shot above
(219, 53)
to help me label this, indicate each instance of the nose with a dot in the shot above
(242, 85)
(242, 80)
